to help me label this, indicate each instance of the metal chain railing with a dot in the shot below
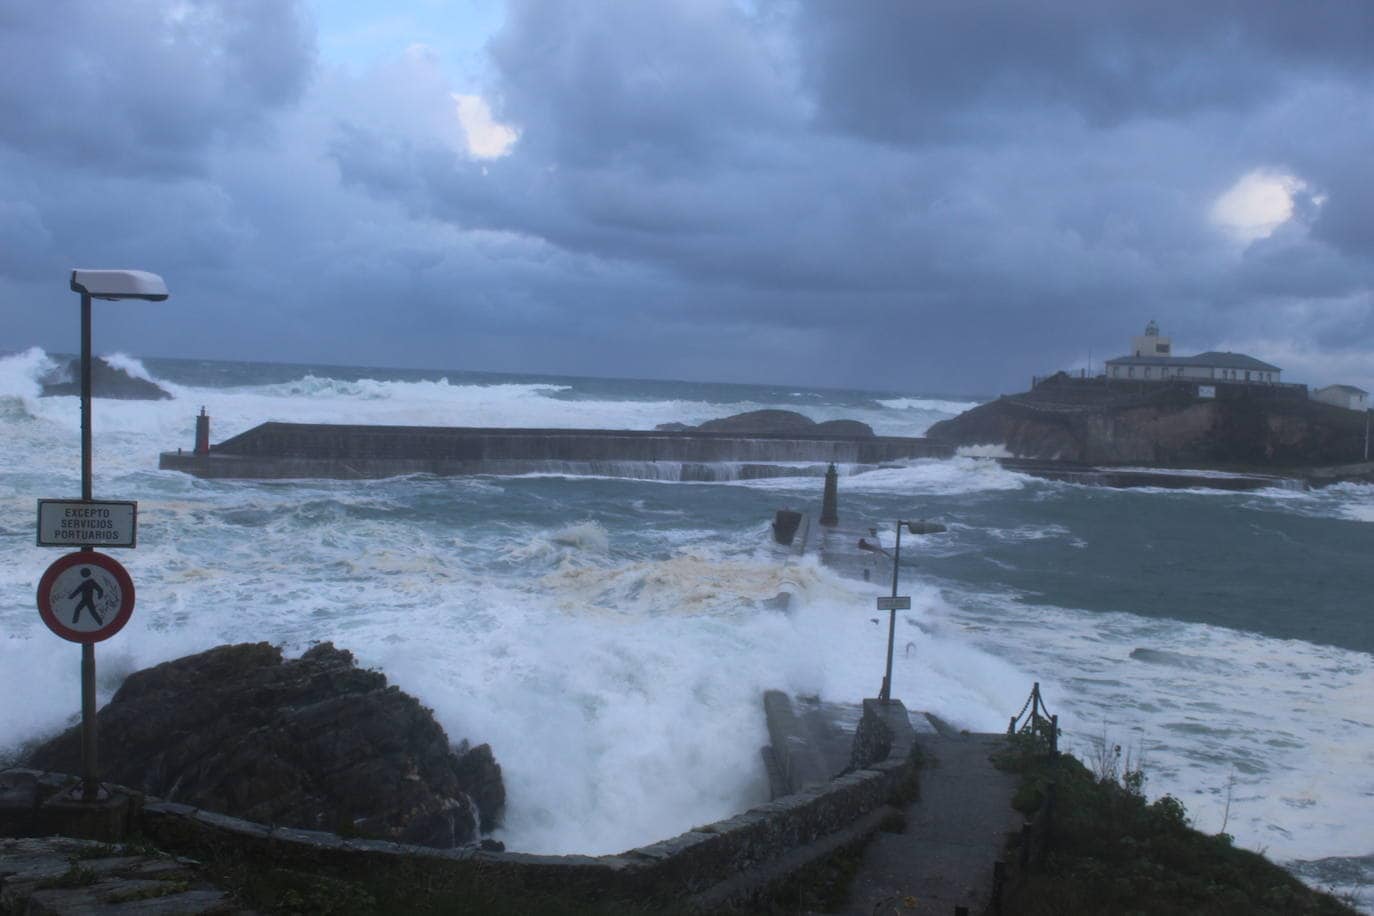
(1039, 723)
(1042, 728)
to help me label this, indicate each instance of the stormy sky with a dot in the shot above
(925, 195)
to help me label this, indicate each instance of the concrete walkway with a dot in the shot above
(954, 833)
(59, 876)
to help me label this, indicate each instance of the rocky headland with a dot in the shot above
(1102, 422)
(107, 381)
(315, 742)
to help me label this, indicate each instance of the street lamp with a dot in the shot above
(915, 527)
(107, 285)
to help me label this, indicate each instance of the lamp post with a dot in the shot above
(914, 527)
(107, 285)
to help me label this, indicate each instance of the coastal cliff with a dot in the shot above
(1100, 421)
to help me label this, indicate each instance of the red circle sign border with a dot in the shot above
(105, 562)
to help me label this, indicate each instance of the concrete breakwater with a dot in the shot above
(303, 450)
(1163, 478)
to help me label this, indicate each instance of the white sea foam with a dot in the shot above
(130, 365)
(983, 451)
(952, 408)
(919, 476)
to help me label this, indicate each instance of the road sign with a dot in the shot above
(87, 523)
(85, 597)
(897, 603)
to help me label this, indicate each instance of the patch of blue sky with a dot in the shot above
(358, 34)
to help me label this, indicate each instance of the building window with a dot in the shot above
(1130, 371)
(1247, 375)
(1147, 371)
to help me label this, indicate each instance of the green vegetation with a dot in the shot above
(1109, 850)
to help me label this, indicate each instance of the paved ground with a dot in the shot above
(66, 877)
(954, 834)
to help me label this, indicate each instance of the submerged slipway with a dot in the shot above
(304, 450)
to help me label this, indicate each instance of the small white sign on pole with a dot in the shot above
(896, 603)
(87, 523)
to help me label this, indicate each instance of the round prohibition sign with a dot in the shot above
(85, 597)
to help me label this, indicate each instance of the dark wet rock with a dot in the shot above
(106, 382)
(853, 428)
(314, 742)
(785, 525)
(774, 423)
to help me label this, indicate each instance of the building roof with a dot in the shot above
(1210, 359)
(1348, 389)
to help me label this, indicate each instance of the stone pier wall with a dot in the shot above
(284, 450)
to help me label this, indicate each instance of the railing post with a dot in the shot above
(1054, 737)
(1011, 727)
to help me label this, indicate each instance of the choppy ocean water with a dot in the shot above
(608, 636)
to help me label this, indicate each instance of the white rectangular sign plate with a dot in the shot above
(899, 603)
(79, 523)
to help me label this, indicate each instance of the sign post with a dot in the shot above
(897, 602)
(86, 596)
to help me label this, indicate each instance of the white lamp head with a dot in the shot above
(119, 284)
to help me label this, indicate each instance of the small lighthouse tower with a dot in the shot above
(202, 433)
(1150, 343)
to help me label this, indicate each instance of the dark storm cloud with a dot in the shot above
(909, 71)
(143, 87)
(934, 195)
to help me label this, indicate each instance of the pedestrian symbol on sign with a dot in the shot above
(85, 589)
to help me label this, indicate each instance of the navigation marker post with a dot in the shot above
(88, 586)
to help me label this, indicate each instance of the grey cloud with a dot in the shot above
(664, 87)
(935, 69)
(145, 86)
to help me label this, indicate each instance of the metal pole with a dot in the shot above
(1366, 434)
(886, 693)
(85, 396)
(90, 779)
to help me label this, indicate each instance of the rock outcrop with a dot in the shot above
(106, 382)
(775, 423)
(1161, 424)
(314, 742)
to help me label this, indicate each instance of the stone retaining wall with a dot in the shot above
(764, 840)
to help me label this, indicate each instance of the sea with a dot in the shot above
(611, 638)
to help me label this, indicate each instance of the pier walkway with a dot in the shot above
(955, 832)
(943, 859)
(943, 855)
